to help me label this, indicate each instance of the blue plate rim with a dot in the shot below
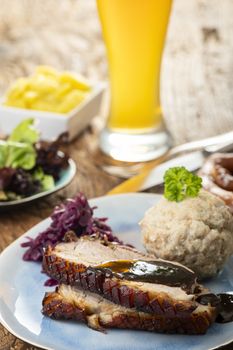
(27, 233)
(5, 251)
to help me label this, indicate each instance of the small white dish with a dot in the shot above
(52, 125)
(22, 289)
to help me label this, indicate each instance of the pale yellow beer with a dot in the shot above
(134, 33)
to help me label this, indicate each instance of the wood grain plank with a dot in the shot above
(197, 80)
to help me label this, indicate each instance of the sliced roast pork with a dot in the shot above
(73, 303)
(129, 278)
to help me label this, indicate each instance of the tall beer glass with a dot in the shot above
(134, 33)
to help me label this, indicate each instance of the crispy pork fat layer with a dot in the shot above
(73, 303)
(76, 264)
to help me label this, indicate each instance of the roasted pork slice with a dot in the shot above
(126, 277)
(98, 313)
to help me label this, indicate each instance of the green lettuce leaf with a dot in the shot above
(18, 150)
(25, 132)
(47, 181)
(3, 153)
(21, 155)
(17, 155)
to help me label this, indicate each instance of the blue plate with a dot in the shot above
(22, 289)
(65, 178)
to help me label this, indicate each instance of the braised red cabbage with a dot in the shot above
(76, 215)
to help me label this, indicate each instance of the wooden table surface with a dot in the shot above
(197, 84)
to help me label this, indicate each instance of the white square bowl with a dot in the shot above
(51, 125)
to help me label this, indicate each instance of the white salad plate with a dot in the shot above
(66, 177)
(22, 289)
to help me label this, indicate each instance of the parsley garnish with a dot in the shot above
(179, 184)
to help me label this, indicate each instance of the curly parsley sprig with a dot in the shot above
(179, 184)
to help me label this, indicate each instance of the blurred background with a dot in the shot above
(197, 84)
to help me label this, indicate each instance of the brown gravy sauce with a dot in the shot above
(223, 302)
(160, 272)
(169, 274)
(226, 308)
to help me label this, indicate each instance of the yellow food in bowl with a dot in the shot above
(48, 90)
